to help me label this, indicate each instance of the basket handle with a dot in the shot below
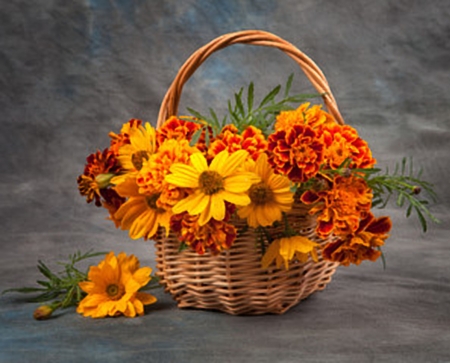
(169, 105)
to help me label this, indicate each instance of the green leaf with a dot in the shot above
(239, 104)
(270, 96)
(24, 290)
(422, 219)
(196, 137)
(250, 97)
(408, 211)
(288, 85)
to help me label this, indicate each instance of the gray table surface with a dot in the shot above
(72, 71)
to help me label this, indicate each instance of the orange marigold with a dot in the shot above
(252, 139)
(343, 142)
(214, 236)
(151, 177)
(361, 245)
(117, 140)
(296, 152)
(304, 115)
(341, 206)
(177, 129)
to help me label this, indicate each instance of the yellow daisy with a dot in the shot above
(133, 155)
(113, 288)
(269, 198)
(140, 214)
(284, 250)
(223, 180)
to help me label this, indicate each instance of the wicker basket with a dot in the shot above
(233, 281)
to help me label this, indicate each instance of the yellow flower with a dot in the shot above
(284, 250)
(113, 288)
(132, 156)
(269, 198)
(212, 185)
(140, 213)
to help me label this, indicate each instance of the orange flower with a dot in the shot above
(296, 152)
(140, 214)
(176, 129)
(303, 115)
(342, 142)
(361, 245)
(123, 137)
(151, 177)
(214, 236)
(341, 206)
(100, 167)
(252, 140)
(113, 288)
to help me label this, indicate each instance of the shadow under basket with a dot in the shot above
(234, 281)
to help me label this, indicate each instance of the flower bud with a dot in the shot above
(103, 180)
(43, 312)
(416, 190)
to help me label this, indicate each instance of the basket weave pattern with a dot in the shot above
(233, 281)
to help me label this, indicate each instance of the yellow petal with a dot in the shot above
(127, 188)
(184, 176)
(232, 163)
(199, 162)
(240, 182)
(146, 298)
(219, 160)
(262, 167)
(190, 202)
(271, 254)
(217, 207)
(205, 216)
(240, 199)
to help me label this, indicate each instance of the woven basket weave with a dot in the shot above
(233, 281)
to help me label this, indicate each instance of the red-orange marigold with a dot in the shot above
(296, 152)
(177, 129)
(341, 206)
(214, 236)
(343, 142)
(361, 245)
(252, 139)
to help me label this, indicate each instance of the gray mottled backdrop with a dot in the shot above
(71, 71)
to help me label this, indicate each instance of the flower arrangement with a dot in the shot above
(194, 175)
(210, 186)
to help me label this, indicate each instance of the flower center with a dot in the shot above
(210, 182)
(260, 193)
(151, 202)
(138, 158)
(114, 291)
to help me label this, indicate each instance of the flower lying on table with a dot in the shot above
(112, 288)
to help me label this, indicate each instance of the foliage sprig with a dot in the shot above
(243, 111)
(61, 287)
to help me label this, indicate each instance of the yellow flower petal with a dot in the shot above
(239, 183)
(199, 162)
(233, 162)
(191, 203)
(271, 254)
(240, 199)
(184, 176)
(217, 207)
